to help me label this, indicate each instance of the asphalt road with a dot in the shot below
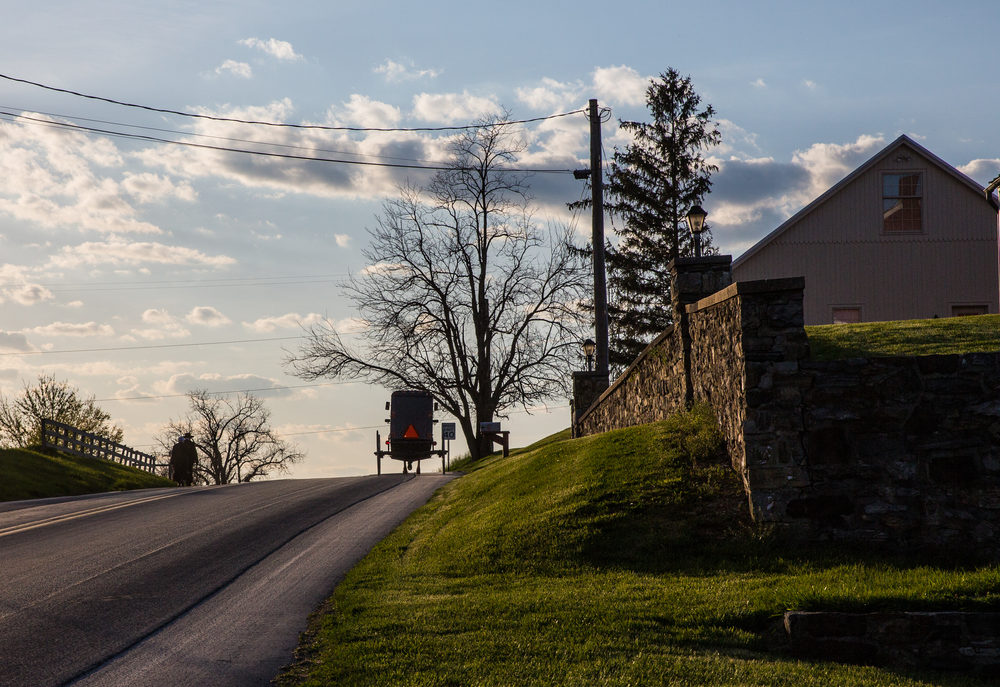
(195, 586)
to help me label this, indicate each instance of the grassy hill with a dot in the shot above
(30, 474)
(978, 334)
(619, 559)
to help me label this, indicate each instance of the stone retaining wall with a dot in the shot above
(969, 642)
(904, 451)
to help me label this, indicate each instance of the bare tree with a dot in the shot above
(464, 296)
(21, 417)
(235, 442)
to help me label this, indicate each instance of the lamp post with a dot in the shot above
(696, 223)
(588, 350)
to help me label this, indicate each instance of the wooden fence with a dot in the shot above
(72, 440)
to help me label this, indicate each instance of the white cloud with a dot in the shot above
(361, 110)
(240, 69)
(343, 240)
(281, 50)
(120, 252)
(58, 179)
(81, 329)
(810, 84)
(290, 320)
(207, 316)
(758, 83)
(449, 108)
(983, 170)
(15, 341)
(164, 326)
(620, 85)
(147, 187)
(213, 382)
(551, 95)
(28, 294)
(396, 71)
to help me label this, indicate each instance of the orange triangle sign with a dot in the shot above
(411, 433)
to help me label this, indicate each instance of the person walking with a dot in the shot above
(183, 456)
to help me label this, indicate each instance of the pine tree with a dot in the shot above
(651, 185)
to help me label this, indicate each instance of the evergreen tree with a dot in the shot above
(651, 185)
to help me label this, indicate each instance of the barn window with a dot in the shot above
(901, 199)
(848, 315)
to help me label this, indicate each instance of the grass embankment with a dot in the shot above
(27, 474)
(618, 559)
(979, 334)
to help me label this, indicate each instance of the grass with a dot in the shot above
(620, 559)
(980, 334)
(31, 474)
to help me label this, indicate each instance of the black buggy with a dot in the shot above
(411, 430)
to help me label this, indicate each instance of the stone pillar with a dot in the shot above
(587, 388)
(692, 279)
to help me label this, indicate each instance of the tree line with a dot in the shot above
(233, 436)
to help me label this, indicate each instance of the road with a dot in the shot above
(193, 586)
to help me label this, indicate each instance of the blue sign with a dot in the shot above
(447, 431)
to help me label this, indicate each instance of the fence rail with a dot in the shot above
(76, 441)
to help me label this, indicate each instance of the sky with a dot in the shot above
(138, 271)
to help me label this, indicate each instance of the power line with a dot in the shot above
(263, 153)
(220, 138)
(222, 393)
(195, 283)
(153, 346)
(322, 127)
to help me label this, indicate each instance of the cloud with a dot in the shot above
(551, 95)
(361, 110)
(752, 196)
(59, 179)
(28, 294)
(451, 108)
(163, 326)
(83, 329)
(15, 341)
(120, 252)
(281, 50)
(292, 320)
(206, 316)
(240, 69)
(621, 85)
(343, 240)
(396, 71)
(983, 170)
(758, 83)
(810, 84)
(147, 187)
(213, 383)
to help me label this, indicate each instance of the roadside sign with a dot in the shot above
(447, 431)
(489, 426)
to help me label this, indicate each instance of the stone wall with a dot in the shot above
(650, 389)
(904, 451)
(900, 450)
(950, 640)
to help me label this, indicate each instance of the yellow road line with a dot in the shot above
(14, 529)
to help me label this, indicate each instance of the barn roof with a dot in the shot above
(833, 190)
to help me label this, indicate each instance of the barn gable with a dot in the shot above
(906, 235)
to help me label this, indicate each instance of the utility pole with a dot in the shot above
(600, 279)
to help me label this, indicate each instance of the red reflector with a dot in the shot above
(411, 433)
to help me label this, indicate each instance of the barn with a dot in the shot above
(904, 236)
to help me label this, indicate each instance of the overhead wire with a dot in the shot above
(262, 153)
(211, 136)
(322, 127)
